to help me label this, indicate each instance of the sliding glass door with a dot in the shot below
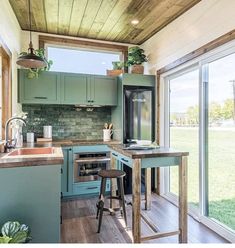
(221, 140)
(184, 131)
(201, 120)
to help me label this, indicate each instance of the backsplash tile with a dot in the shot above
(66, 121)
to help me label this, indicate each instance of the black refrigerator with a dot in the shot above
(139, 116)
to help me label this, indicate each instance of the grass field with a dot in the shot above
(221, 170)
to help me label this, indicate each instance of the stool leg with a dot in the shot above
(101, 206)
(101, 203)
(122, 198)
(101, 183)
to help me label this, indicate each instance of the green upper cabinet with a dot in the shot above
(74, 88)
(137, 79)
(84, 89)
(103, 90)
(67, 88)
(45, 89)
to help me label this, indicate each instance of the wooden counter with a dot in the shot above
(147, 159)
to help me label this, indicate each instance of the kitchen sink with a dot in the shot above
(32, 151)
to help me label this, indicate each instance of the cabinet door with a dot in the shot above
(104, 90)
(44, 89)
(66, 172)
(74, 88)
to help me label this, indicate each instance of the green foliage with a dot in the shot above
(217, 113)
(5, 240)
(14, 232)
(118, 65)
(34, 73)
(136, 56)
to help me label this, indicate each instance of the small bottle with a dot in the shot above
(19, 139)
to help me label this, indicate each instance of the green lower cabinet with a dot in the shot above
(31, 195)
(67, 172)
(68, 187)
(88, 188)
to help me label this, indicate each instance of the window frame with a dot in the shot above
(47, 45)
(201, 63)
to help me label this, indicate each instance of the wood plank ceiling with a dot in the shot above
(108, 20)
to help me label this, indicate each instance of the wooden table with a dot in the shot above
(147, 159)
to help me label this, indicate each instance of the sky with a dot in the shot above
(81, 61)
(185, 89)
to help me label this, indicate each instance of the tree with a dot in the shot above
(228, 109)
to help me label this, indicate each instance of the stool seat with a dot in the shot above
(111, 173)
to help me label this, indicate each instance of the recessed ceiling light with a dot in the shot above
(135, 22)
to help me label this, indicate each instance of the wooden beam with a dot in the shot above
(81, 43)
(160, 235)
(149, 223)
(6, 88)
(147, 188)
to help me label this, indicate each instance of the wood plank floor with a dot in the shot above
(79, 224)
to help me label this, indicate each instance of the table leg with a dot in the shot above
(183, 203)
(112, 181)
(147, 188)
(136, 198)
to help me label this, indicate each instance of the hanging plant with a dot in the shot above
(34, 73)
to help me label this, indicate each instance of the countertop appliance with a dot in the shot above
(139, 116)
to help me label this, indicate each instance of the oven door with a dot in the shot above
(87, 166)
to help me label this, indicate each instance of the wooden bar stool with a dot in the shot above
(111, 174)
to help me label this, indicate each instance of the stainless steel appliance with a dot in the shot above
(87, 165)
(139, 113)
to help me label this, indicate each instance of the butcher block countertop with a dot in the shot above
(76, 142)
(150, 153)
(21, 160)
(55, 158)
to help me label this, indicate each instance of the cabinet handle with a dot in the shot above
(40, 97)
(61, 170)
(114, 154)
(125, 160)
(92, 187)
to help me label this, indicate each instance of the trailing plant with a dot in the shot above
(136, 56)
(118, 65)
(14, 232)
(34, 73)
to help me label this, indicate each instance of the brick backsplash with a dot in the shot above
(66, 121)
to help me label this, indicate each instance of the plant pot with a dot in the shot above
(114, 72)
(137, 69)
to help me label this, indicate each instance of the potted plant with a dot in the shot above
(34, 73)
(14, 232)
(117, 68)
(136, 57)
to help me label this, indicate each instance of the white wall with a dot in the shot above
(203, 23)
(10, 34)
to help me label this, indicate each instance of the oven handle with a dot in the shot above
(92, 160)
(92, 187)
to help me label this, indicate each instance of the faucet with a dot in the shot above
(7, 145)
